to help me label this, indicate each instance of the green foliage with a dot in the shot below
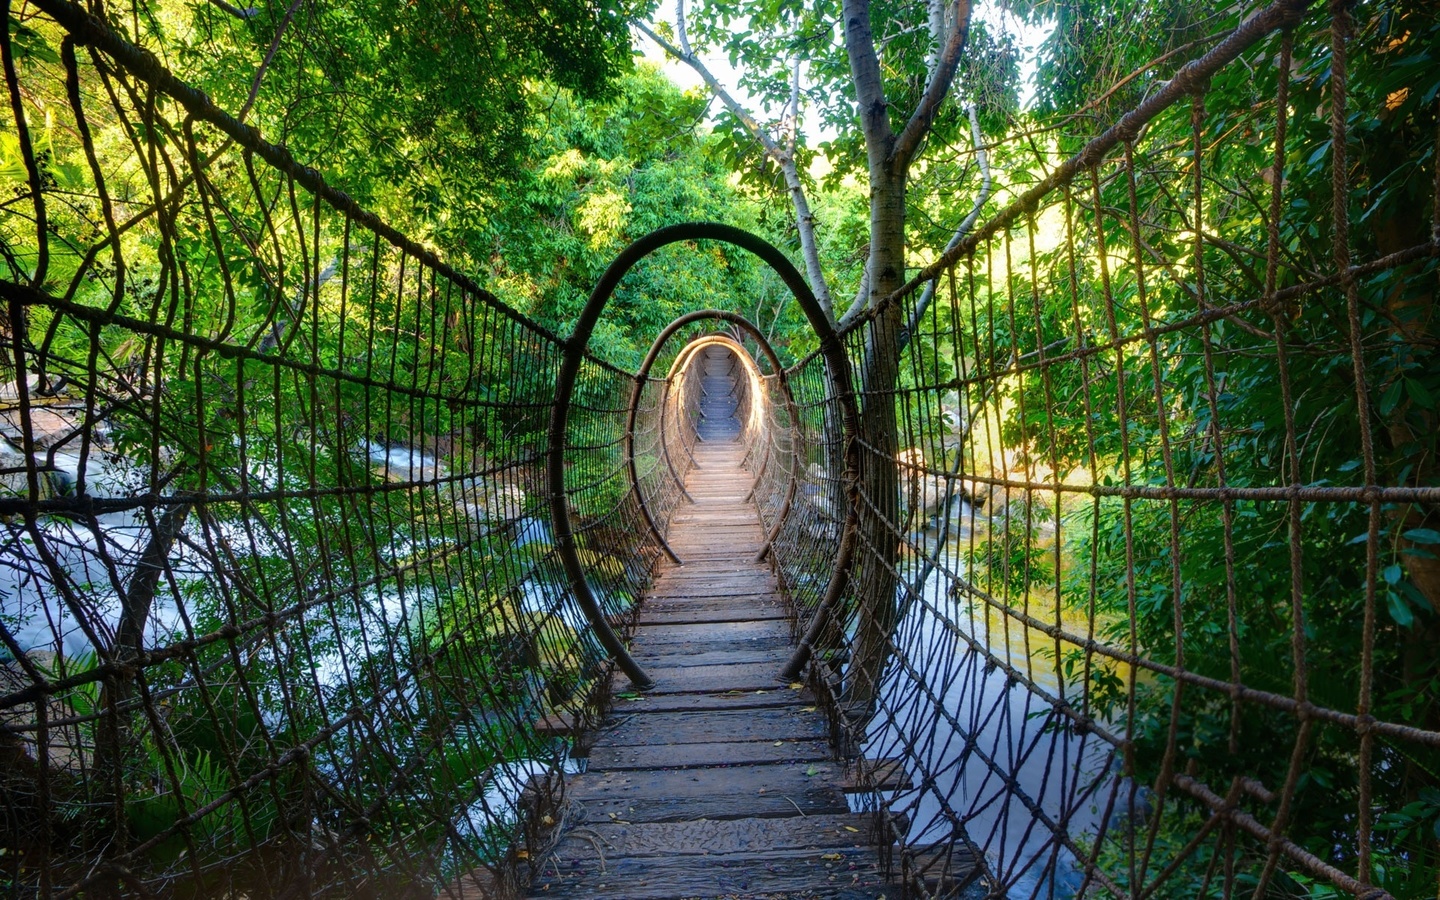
(1172, 408)
(396, 97)
(603, 175)
(1011, 560)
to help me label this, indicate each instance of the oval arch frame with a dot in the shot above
(681, 361)
(837, 366)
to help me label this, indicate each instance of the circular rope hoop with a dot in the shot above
(836, 364)
(682, 362)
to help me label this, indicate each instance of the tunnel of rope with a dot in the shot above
(404, 594)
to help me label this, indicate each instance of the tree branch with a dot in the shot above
(982, 159)
(804, 217)
(682, 35)
(943, 75)
(869, 88)
(861, 298)
(793, 108)
(936, 10)
(248, 12)
(265, 63)
(32, 167)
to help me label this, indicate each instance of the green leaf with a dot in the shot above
(1419, 394)
(1392, 573)
(1399, 610)
(29, 44)
(1413, 594)
(1391, 398)
(1319, 153)
(1422, 536)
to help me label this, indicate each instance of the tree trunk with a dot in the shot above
(877, 583)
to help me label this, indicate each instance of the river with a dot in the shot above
(1002, 764)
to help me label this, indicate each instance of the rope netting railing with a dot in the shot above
(678, 398)
(1144, 594)
(1121, 582)
(279, 601)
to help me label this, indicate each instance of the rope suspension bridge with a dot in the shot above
(402, 593)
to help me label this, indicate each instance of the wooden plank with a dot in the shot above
(715, 595)
(716, 600)
(775, 644)
(610, 840)
(656, 729)
(734, 554)
(612, 757)
(741, 633)
(718, 535)
(755, 590)
(716, 587)
(701, 614)
(750, 602)
(668, 658)
(732, 788)
(840, 873)
(738, 676)
(739, 578)
(648, 703)
(712, 803)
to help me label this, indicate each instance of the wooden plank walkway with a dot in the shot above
(719, 783)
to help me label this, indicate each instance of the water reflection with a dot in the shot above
(973, 699)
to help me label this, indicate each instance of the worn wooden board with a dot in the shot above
(718, 753)
(728, 792)
(757, 602)
(742, 633)
(670, 658)
(716, 588)
(653, 729)
(736, 676)
(750, 649)
(720, 782)
(686, 615)
(709, 836)
(778, 644)
(630, 703)
(834, 874)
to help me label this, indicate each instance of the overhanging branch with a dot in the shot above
(784, 158)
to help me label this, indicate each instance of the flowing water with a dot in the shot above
(1003, 765)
